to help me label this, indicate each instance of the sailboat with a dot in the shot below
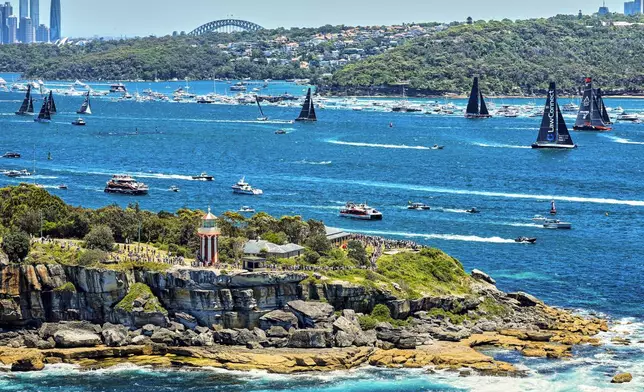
(553, 208)
(589, 117)
(45, 114)
(308, 111)
(85, 107)
(26, 104)
(553, 132)
(476, 107)
(602, 107)
(52, 104)
(262, 116)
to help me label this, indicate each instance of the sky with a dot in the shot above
(116, 18)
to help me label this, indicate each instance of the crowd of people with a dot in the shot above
(143, 254)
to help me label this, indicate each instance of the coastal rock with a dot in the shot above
(278, 318)
(276, 332)
(622, 378)
(480, 275)
(344, 339)
(525, 299)
(399, 308)
(312, 314)
(308, 338)
(450, 334)
(73, 337)
(28, 364)
(226, 336)
(9, 311)
(186, 319)
(164, 336)
(398, 337)
(205, 339)
(115, 335)
(366, 338)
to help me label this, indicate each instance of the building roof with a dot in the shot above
(255, 247)
(333, 233)
(209, 216)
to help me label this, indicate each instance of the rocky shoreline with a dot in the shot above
(277, 322)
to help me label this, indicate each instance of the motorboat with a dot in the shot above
(473, 210)
(126, 185)
(174, 188)
(627, 117)
(246, 209)
(570, 107)
(62, 186)
(360, 211)
(417, 206)
(203, 177)
(118, 88)
(556, 224)
(11, 154)
(525, 240)
(437, 147)
(12, 173)
(280, 132)
(243, 188)
(539, 218)
(79, 121)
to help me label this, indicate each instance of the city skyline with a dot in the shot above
(81, 19)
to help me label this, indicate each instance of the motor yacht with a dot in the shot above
(203, 177)
(473, 210)
(11, 154)
(243, 188)
(417, 206)
(526, 240)
(79, 122)
(556, 224)
(360, 211)
(126, 185)
(174, 188)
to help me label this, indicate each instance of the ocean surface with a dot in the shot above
(597, 267)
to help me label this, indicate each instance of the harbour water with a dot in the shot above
(350, 155)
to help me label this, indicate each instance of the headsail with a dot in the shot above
(24, 108)
(553, 132)
(473, 103)
(589, 116)
(30, 109)
(45, 111)
(52, 104)
(484, 111)
(308, 111)
(602, 107)
(85, 107)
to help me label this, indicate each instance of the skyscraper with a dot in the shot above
(12, 29)
(26, 30)
(7, 11)
(54, 20)
(24, 8)
(34, 12)
(42, 33)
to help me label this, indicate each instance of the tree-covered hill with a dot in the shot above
(511, 58)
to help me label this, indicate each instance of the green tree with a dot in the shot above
(91, 257)
(16, 245)
(319, 244)
(276, 238)
(357, 252)
(100, 237)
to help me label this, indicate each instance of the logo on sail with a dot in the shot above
(552, 115)
(586, 101)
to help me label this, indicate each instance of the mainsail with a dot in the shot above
(45, 111)
(553, 132)
(308, 111)
(602, 107)
(261, 112)
(589, 117)
(24, 108)
(30, 110)
(476, 107)
(52, 104)
(85, 107)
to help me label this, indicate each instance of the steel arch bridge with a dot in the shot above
(227, 26)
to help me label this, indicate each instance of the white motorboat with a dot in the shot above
(627, 117)
(539, 219)
(246, 209)
(417, 206)
(203, 177)
(556, 224)
(174, 188)
(360, 211)
(243, 188)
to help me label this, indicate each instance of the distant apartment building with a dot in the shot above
(12, 29)
(42, 33)
(34, 12)
(633, 7)
(26, 30)
(6, 11)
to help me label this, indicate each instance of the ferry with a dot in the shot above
(243, 188)
(126, 185)
(203, 177)
(360, 211)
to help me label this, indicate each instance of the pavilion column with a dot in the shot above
(216, 242)
(209, 250)
(203, 248)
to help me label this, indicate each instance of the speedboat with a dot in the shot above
(79, 122)
(280, 132)
(525, 240)
(556, 224)
(11, 155)
(126, 185)
(62, 186)
(262, 118)
(417, 206)
(473, 210)
(627, 117)
(246, 209)
(203, 177)
(174, 189)
(360, 211)
(243, 188)
(12, 173)
(437, 147)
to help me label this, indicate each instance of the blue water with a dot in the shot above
(350, 155)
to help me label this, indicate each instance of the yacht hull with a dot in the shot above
(554, 146)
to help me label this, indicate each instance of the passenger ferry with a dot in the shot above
(126, 185)
(360, 211)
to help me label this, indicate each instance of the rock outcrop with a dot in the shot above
(621, 378)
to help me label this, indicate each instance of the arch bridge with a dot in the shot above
(226, 26)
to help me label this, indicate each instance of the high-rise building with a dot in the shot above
(7, 11)
(1, 24)
(633, 7)
(54, 20)
(34, 12)
(26, 30)
(42, 33)
(12, 29)
(637, 4)
(24, 8)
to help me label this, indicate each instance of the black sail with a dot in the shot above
(602, 107)
(473, 103)
(308, 111)
(261, 112)
(24, 108)
(549, 121)
(484, 111)
(52, 104)
(85, 107)
(45, 110)
(589, 116)
(31, 106)
(563, 136)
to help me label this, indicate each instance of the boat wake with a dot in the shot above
(495, 145)
(305, 162)
(446, 237)
(375, 145)
(622, 140)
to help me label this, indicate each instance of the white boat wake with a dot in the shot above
(495, 145)
(622, 140)
(432, 236)
(375, 145)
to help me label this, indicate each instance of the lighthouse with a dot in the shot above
(209, 235)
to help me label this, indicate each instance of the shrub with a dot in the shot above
(367, 322)
(143, 292)
(357, 252)
(381, 312)
(311, 256)
(67, 287)
(319, 243)
(100, 237)
(91, 257)
(16, 245)
(279, 238)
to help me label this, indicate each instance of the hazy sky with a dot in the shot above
(159, 17)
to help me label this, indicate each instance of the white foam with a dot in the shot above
(305, 162)
(447, 237)
(621, 140)
(495, 145)
(376, 145)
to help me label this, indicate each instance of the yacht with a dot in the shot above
(62, 186)
(360, 211)
(11, 154)
(570, 108)
(246, 209)
(280, 132)
(79, 121)
(556, 224)
(627, 117)
(17, 173)
(203, 177)
(243, 188)
(539, 219)
(525, 240)
(238, 87)
(417, 206)
(118, 88)
(126, 185)
(174, 188)
(437, 147)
